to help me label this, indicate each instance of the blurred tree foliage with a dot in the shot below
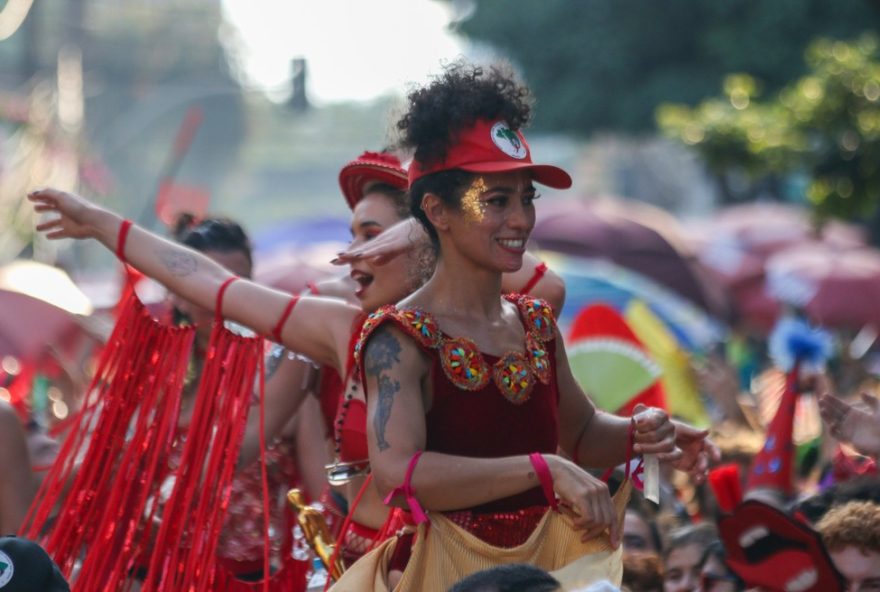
(606, 64)
(825, 126)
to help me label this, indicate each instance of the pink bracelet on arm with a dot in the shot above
(409, 494)
(542, 470)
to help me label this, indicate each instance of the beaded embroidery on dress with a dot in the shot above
(464, 365)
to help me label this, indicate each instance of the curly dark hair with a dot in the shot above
(454, 101)
(462, 95)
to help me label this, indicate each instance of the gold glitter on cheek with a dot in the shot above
(471, 205)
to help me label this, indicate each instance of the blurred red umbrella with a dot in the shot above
(764, 228)
(634, 235)
(29, 326)
(838, 288)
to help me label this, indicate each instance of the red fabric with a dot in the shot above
(111, 458)
(353, 432)
(773, 466)
(330, 392)
(203, 482)
(725, 483)
(484, 424)
(491, 147)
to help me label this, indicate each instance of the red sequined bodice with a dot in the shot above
(487, 406)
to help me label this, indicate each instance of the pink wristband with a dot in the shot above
(544, 477)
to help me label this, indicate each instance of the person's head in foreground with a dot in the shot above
(514, 577)
(26, 567)
(851, 534)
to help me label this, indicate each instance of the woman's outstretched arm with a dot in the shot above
(317, 328)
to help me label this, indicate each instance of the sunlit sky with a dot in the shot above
(355, 49)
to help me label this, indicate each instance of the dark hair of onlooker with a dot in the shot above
(716, 550)
(212, 234)
(515, 577)
(700, 534)
(865, 489)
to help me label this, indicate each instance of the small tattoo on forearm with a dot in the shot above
(179, 264)
(383, 352)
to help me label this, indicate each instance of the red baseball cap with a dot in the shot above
(490, 146)
(369, 168)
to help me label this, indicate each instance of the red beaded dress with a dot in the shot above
(487, 406)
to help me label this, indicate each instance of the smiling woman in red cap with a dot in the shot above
(374, 186)
(469, 394)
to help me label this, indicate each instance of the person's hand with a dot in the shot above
(859, 427)
(77, 216)
(654, 433)
(698, 451)
(585, 498)
(395, 240)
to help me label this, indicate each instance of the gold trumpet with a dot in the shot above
(315, 529)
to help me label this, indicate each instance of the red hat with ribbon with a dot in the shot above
(491, 146)
(367, 169)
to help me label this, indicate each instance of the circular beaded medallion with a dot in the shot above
(514, 378)
(421, 326)
(463, 364)
(539, 316)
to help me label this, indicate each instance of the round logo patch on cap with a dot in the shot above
(6, 569)
(508, 141)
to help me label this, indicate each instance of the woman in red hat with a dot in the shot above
(470, 394)
(374, 188)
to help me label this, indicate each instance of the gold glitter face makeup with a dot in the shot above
(471, 205)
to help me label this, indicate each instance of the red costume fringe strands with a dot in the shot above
(106, 470)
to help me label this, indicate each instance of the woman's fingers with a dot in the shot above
(48, 225)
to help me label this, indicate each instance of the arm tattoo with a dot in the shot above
(383, 351)
(179, 264)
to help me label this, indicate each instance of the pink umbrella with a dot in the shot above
(764, 228)
(29, 326)
(633, 235)
(839, 288)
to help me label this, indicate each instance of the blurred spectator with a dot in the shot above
(682, 555)
(640, 533)
(714, 574)
(865, 489)
(851, 534)
(642, 572)
(514, 577)
(858, 425)
(17, 485)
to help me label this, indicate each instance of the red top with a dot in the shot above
(486, 406)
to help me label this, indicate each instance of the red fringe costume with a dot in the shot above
(116, 459)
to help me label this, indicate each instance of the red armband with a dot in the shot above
(276, 331)
(120, 240)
